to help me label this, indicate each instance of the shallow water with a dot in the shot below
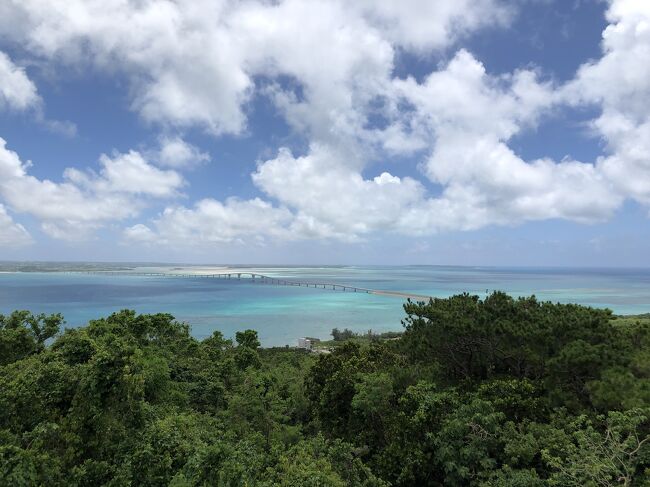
(283, 314)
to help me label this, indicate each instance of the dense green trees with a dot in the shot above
(493, 392)
(499, 391)
(23, 334)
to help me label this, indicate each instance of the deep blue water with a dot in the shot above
(283, 314)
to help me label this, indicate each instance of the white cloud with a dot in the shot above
(628, 167)
(181, 61)
(339, 65)
(176, 153)
(84, 201)
(128, 173)
(12, 234)
(213, 222)
(19, 93)
(194, 63)
(462, 97)
(619, 83)
(467, 118)
(331, 199)
(16, 90)
(140, 234)
(412, 23)
(329, 68)
(487, 183)
(471, 116)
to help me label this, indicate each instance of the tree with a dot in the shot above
(341, 336)
(372, 403)
(475, 340)
(616, 456)
(23, 334)
(494, 392)
(247, 338)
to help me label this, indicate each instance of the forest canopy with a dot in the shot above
(481, 392)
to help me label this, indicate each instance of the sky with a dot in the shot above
(464, 132)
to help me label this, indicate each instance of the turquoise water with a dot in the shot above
(283, 314)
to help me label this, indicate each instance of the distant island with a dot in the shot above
(493, 391)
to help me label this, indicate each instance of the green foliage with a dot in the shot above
(494, 392)
(317, 462)
(616, 456)
(339, 336)
(347, 334)
(248, 339)
(475, 340)
(23, 334)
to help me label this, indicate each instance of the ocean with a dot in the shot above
(283, 314)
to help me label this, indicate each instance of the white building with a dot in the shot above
(304, 343)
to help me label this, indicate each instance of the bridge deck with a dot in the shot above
(263, 279)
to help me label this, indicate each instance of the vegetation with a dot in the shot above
(493, 392)
(347, 334)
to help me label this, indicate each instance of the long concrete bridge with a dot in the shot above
(260, 279)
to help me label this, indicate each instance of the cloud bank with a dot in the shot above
(84, 201)
(329, 68)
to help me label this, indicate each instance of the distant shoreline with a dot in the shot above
(626, 293)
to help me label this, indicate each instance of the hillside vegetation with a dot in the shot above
(493, 392)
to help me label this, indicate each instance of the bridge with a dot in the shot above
(256, 278)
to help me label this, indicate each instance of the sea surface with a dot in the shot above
(282, 314)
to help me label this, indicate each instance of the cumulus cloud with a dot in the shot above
(462, 97)
(331, 199)
(619, 83)
(465, 118)
(471, 116)
(214, 222)
(19, 93)
(329, 67)
(412, 23)
(178, 55)
(16, 90)
(127, 173)
(12, 234)
(195, 63)
(84, 201)
(176, 153)
(468, 117)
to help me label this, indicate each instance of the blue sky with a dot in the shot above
(487, 132)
